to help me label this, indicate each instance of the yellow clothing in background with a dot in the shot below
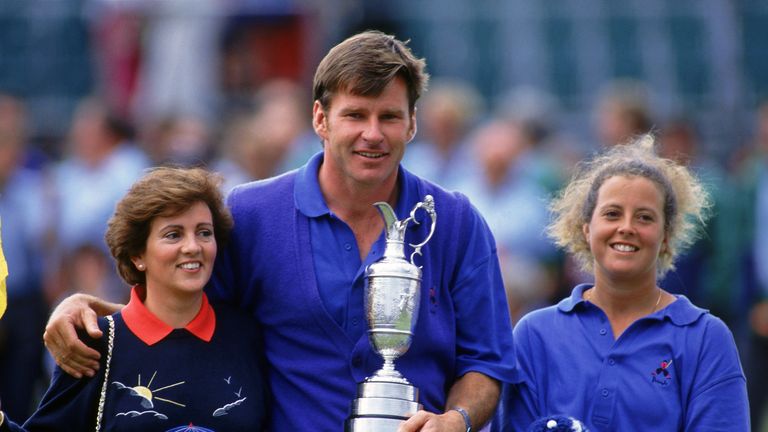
(3, 275)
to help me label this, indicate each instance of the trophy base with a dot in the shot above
(382, 406)
(372, 424)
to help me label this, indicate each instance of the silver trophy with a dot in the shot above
(392, 294)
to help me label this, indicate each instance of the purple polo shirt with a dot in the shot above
(339, 271)
(297, 269)
(673, 370)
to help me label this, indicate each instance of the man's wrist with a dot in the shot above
(465, 416)
(2, 418)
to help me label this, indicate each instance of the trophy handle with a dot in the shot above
(428, 205)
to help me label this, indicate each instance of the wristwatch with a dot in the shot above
(464, 414)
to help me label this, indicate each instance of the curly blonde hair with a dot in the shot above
(686, 201)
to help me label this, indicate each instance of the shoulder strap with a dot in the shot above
(105, 383)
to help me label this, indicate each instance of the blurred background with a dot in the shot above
(92, 92)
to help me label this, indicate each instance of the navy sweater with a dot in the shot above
(179, 383)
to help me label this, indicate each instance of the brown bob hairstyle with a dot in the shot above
(164, 191)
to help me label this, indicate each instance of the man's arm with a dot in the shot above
(474, 392)
(70, 353)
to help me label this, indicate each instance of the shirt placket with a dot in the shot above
(604, 399)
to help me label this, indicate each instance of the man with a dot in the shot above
(302, 242)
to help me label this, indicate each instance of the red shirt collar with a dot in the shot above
(151, 330)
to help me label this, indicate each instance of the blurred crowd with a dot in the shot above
(158, 104)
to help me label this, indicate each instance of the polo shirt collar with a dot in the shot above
(310, 201)
(151, 330)
(681, 312)
(307, 195)
(577, 297)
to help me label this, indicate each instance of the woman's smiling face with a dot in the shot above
(180, 252)
(626, 230)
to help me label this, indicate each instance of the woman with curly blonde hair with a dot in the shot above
(621, 353)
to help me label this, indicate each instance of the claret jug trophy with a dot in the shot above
(392, 293)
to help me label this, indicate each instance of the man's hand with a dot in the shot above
(475, 392)
(70, 353)
(425, 421)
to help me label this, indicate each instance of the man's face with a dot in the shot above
(364, 137)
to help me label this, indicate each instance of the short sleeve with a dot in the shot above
(719, 400)
(483, 328)
(517, 406)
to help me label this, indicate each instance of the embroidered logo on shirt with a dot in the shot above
(662, 374)
(432, 299)
(146, 396)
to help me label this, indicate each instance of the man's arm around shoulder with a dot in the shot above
(78, 311)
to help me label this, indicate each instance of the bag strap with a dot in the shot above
(105, 383)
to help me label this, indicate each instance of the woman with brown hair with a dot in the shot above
(171, 359)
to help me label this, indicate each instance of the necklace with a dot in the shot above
(657, 302)
(588, 297)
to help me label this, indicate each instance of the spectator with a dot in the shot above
(514, 205)
(25, 226)
(748, 211)
(623, 112)
(448, 113)
(101, 165)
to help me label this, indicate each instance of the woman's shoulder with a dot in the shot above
(100, 343)
(683, 313)
(537, 319)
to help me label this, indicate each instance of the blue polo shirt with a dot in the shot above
(339, 271)
(296, 267)
(676, 369)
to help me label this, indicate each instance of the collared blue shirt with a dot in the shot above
(315, 353)
(340, 272)
(675, 370)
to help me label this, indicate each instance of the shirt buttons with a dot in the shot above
(611, 362)
(347, 246)
(603, 332)
(354, 321)
(605, 393)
